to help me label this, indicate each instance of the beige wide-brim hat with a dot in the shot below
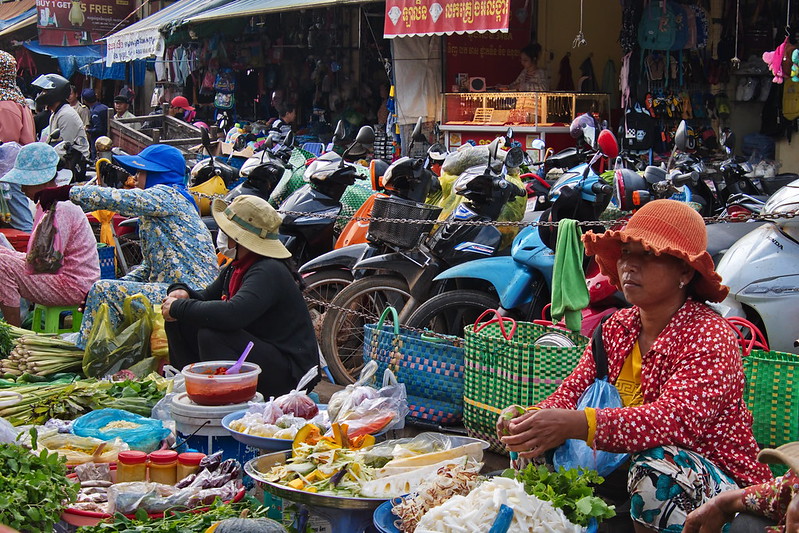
(787, 454)
(251, 222)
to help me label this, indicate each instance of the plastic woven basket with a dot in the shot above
(400, 234)
(106, 255)
(499, 372)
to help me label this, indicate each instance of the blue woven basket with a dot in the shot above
(430, 367)
(107, 264)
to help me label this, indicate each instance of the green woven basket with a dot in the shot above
(499, 372)
(772, 395)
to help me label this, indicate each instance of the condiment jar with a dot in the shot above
(131, 466)
(163, 466)
(189, 463)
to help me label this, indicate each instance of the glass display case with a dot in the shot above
(521, 108)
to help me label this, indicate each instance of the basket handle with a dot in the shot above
(393, 316)
(758, 340)
(499, 319)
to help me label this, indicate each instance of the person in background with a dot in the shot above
(532, 77)
(772, 506)
(282, 126)
(122, 103)
(98, 119)
(677, 366)
(256, 298)
(179, 108)
(77, 105)
(17, 128)
(35, 169)
(64, 119)
(176, 246)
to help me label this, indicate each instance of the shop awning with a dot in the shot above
(24, 20)
(70, 58)
(143, 39)
(406, 18)
(248, 8)
(12, 10)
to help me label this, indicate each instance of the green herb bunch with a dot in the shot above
(34, 488)
(569, 490)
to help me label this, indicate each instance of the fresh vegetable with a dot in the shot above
(33, 488)
(308, 434)
(41, 355)
(67, 401)
(569, 490)
(8, 335)
(249, 525)
(178, 522)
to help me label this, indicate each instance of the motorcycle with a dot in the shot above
(310, 212)
(760, 270)
(71, 158)
(521, 284)
(409, 273)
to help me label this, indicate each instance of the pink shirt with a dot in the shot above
(16, 123)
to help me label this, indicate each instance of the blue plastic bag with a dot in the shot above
(146, 436)
(576, 453)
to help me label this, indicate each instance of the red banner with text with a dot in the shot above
(79, 22)
(439, 17)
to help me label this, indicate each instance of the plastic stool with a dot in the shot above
(51, 319)
(315, 148)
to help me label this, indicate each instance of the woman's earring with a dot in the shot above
(682, 284)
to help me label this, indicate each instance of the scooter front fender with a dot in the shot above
(512, 282)
(406, 264)
(344, 258)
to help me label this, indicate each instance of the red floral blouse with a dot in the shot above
(692, 382)
(771, 499)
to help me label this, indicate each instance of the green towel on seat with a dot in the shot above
(569, 290)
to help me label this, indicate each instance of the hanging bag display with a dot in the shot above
(600, 394)
(507, 363)
(430, 367)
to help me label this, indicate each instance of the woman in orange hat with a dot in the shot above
(677, 367)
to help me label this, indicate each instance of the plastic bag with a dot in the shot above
(78, 450)
(385, 412)
(352, 395)
(109, 351)
(8, 433)
(297, 402)
(138, 432)
(163, 409)
(44, 249)
(126, 498)
(576, 453)
(158, 342)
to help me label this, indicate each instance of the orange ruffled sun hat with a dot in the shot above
(663, 227)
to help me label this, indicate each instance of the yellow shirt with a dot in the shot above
(629, 386)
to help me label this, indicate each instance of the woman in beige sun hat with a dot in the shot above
(256, 298)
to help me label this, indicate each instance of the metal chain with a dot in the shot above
(371, 318)
(768, 217)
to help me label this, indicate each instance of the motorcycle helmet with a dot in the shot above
(584, 127)
(54, 88)
(265, 177)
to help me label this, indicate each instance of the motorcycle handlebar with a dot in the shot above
(682, 179)
(601, 188)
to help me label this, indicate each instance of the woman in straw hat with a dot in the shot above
(771, 506)
(255, 299)
(678, 369)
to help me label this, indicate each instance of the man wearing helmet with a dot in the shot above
(54, 94)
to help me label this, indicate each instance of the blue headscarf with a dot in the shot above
(171, 179)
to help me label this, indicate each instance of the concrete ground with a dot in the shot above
(492, 461)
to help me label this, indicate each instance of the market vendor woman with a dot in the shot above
(677, 366)
(175, 244)
(256, 298)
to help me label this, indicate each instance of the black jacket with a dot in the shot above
(269, 305)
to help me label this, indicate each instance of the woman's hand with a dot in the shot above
(165, 306)
(506, 416)
(712, 515)
(535, 432)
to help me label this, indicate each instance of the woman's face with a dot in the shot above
(141, 179)
(526, 60)
(649, 280)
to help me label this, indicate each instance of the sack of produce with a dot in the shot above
(109, 349)
(138, 432)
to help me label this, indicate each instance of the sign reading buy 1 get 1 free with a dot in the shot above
(78, 22)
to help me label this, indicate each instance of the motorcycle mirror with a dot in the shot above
(514, 158)
(509, 134)
(681, 137)
(206, 141)
(339, 133)
(416, 135)
(366, 135)
(538, 144)
(436, 131)
(607, 144)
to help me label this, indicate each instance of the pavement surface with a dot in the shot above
(492, 461)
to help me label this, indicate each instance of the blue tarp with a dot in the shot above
(117, 71)
(70, 58)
